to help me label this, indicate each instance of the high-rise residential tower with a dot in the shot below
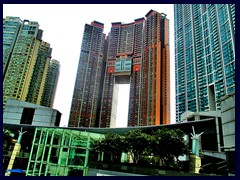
(87, 90)
(38, 79)
(138, 54)
(26, 59)
(155, 91)
(50, 83)
(204, 55)
(11, 26)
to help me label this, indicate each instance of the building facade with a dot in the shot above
(11, 26)
(39, 76)
(228, 128)
(50, 83)
(20, 112)
(86, 96)
(204, 55)
(26, 60)
(138, 54)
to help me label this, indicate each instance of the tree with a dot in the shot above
(137, 143)
(165, 144)
(8, 138)
(112, 144)
(168, 144)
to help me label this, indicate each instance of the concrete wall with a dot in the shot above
(126, 170)
(114, 106)
(43, 116)
(228, 120)
(101, 172)
(196, 116)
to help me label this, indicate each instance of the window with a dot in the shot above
(27, 116)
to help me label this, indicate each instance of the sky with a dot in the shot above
(63, 26)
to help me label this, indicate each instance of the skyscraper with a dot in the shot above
(204, 55)
(39, 77)
(138, 54)
(11, 26)
(50, 83)
(87, 89)
(26, 59)
(155, 102)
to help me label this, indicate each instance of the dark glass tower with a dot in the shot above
(204, 55)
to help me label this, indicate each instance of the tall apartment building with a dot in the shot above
(204, 55)
(87, 89)
(51, 82)
(40, 70)
(155, 102)
(11, 26)
(26, 60)
(138, 54)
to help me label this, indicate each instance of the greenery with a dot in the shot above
(168, 145)
(8, 139)
(165, 145)
(112, 144)
(137, 144)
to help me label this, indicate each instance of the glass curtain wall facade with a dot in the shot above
(204, 55)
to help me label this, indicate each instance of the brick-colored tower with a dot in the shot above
(155, 108)
(87, 89)
(138, 54)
